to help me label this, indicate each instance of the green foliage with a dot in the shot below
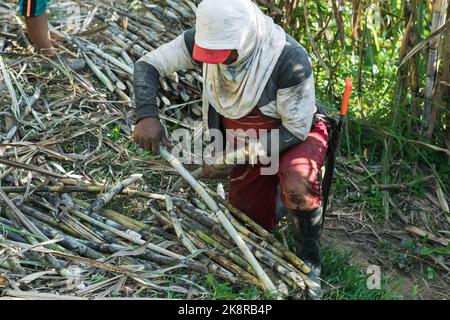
(401, 257)
(387, 102)
(375, 51)
(348, 281)
(114, 133)
(224, 291)
(430, 273)
(97, 277)
(440, 250)
(141, 153)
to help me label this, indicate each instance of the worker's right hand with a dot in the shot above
(149, 133)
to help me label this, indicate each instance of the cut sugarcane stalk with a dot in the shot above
(268, 285)
(99, 74)
(112, 192)
(111, 59)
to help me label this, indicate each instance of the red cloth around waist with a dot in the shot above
(255, 194)
(254, 120)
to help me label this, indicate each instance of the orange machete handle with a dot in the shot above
(347, 93)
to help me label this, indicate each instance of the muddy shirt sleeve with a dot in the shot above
(170, 57)
(295, 101)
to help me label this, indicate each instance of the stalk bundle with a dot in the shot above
(69, 172)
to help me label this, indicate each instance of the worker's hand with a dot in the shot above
(217, 171)
(216, 167)
(149, 133)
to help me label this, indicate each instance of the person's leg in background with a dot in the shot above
(301, 195)
(37, 25)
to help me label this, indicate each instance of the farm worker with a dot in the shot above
(255, 77)
(37, 24)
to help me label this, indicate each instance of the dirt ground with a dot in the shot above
(366, 252)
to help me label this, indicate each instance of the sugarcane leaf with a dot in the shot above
(423, 43)
(34, 276)
(196, 253)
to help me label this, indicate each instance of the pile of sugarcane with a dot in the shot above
(71, 176)
(47, 233)
(110, 41)
(58, 241)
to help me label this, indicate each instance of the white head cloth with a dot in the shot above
(234, 90)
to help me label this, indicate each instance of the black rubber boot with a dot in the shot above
(307, 228)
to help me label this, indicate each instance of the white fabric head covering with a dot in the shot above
(234, 90)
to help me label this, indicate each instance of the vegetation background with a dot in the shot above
(398, 54)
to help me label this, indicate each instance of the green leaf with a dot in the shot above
(430, 272)
(443, 251)
(426, 251)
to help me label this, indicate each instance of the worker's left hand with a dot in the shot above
(217, 171)
(216, 167)
(251, 153)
